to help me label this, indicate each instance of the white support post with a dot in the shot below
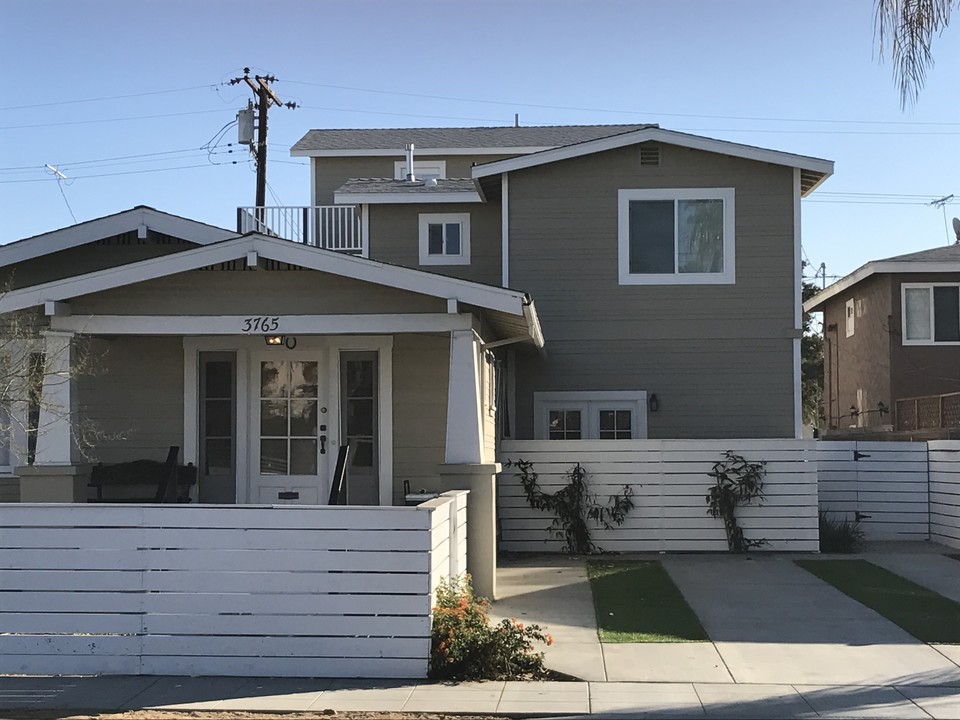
(58, 401)
(464, 426)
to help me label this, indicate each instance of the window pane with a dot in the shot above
(362, 453)
(572, 419)
(946, 314)
(303, 418)
(624, 420)
(218, 457)
(453, 238)
(273, 379)
(303, 457)
(273, 457)
(918, 313)
(273, 418)
(360, 417)
(218, 420)
(700, 236)
(359, 378)
(303, 379)
(607, 420)
(218, 379)
(435, 239)
(651, 236)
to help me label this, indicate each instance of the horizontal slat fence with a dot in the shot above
(945, 492)
(669, 482)
(222, 590)
(883, 484)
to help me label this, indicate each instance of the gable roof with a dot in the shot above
(388, 190)
(254, 245)
(450, 141)
(813, 171)
(108, 226)
(936, 260)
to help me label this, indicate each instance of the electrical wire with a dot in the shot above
(109, 97)
(129, 172)
(107, 120)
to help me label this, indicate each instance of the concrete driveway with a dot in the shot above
(769, 620)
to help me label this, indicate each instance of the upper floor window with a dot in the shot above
(850, 317)
(931, 313)
(673, 236)
(421, 170)
(445, 239)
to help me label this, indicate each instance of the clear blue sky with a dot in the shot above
(799, 76)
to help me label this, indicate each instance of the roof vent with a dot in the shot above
(431, 182)
(649, 154)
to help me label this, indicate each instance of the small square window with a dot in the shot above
(445, 239)
(602, 415)
(851, 317)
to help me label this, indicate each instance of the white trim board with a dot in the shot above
(670, 137)
(408, 198)
(363, 269)
(124, 222)
(876, 267)
(205, 325)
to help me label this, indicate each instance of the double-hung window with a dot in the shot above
(673, 236)
(931, 313)
(590, 415)
(445, 239)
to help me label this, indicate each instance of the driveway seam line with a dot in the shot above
(896, 689)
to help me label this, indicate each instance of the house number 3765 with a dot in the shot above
(260, 324)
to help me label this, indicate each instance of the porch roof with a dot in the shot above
(508, 310)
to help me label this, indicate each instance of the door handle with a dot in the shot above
(860, 516)
(323, 444)
(857, 455)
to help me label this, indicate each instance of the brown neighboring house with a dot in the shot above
(892, 343)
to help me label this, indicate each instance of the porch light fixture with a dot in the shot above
(288, 341)
(654, 403)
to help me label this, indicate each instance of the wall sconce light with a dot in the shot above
(881, 408)
(853, 411)
(654, 403)
(288, 341)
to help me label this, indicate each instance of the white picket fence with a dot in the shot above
(669, 482)
(883, 485)
(945, 492)
(225, 590)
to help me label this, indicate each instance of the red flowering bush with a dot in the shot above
(466, 647)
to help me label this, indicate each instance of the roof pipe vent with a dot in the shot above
(410, 176)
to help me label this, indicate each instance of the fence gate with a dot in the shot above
(881, 484)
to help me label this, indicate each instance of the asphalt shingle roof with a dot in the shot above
(949, 253)
(452, 137)
(389, 185)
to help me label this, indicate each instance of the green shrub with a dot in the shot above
(466, 647)
(839, 536)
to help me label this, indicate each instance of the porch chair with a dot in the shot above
(338, 485)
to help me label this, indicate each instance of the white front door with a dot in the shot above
(289, 443)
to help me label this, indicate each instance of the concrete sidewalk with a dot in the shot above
(549, 699)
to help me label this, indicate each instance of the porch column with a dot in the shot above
(464, 427)
(53, 477)
(57, 401)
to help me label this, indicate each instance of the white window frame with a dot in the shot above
(427, 219)
(903, 313)
(590, 404)
(421, 169)
(726, 277)
(490, 383)
(849, 310)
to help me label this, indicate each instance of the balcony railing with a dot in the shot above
(331, 227)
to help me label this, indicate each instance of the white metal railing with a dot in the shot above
(331, 227)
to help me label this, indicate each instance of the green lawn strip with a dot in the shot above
(636, 601)
(926, 615)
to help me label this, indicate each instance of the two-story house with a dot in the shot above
(891, 344)
(567, 282)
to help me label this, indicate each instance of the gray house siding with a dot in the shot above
(133, 397)
(294, 292)
(719, 357)
(394, 238)
(330, 173)
(860, 362)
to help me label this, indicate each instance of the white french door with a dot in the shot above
(289, 437)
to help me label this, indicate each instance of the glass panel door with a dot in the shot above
(218, 420)
(359, 426)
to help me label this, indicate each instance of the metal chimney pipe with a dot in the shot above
(410, 176)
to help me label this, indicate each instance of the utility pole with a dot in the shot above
(260, 84)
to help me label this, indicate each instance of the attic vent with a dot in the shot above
(649, 154)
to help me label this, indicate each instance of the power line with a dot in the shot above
(106, 120)
(618, 112)
(109, 97)
(129, 172)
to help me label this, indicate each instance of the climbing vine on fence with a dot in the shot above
(574, 507)
(737, 482)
